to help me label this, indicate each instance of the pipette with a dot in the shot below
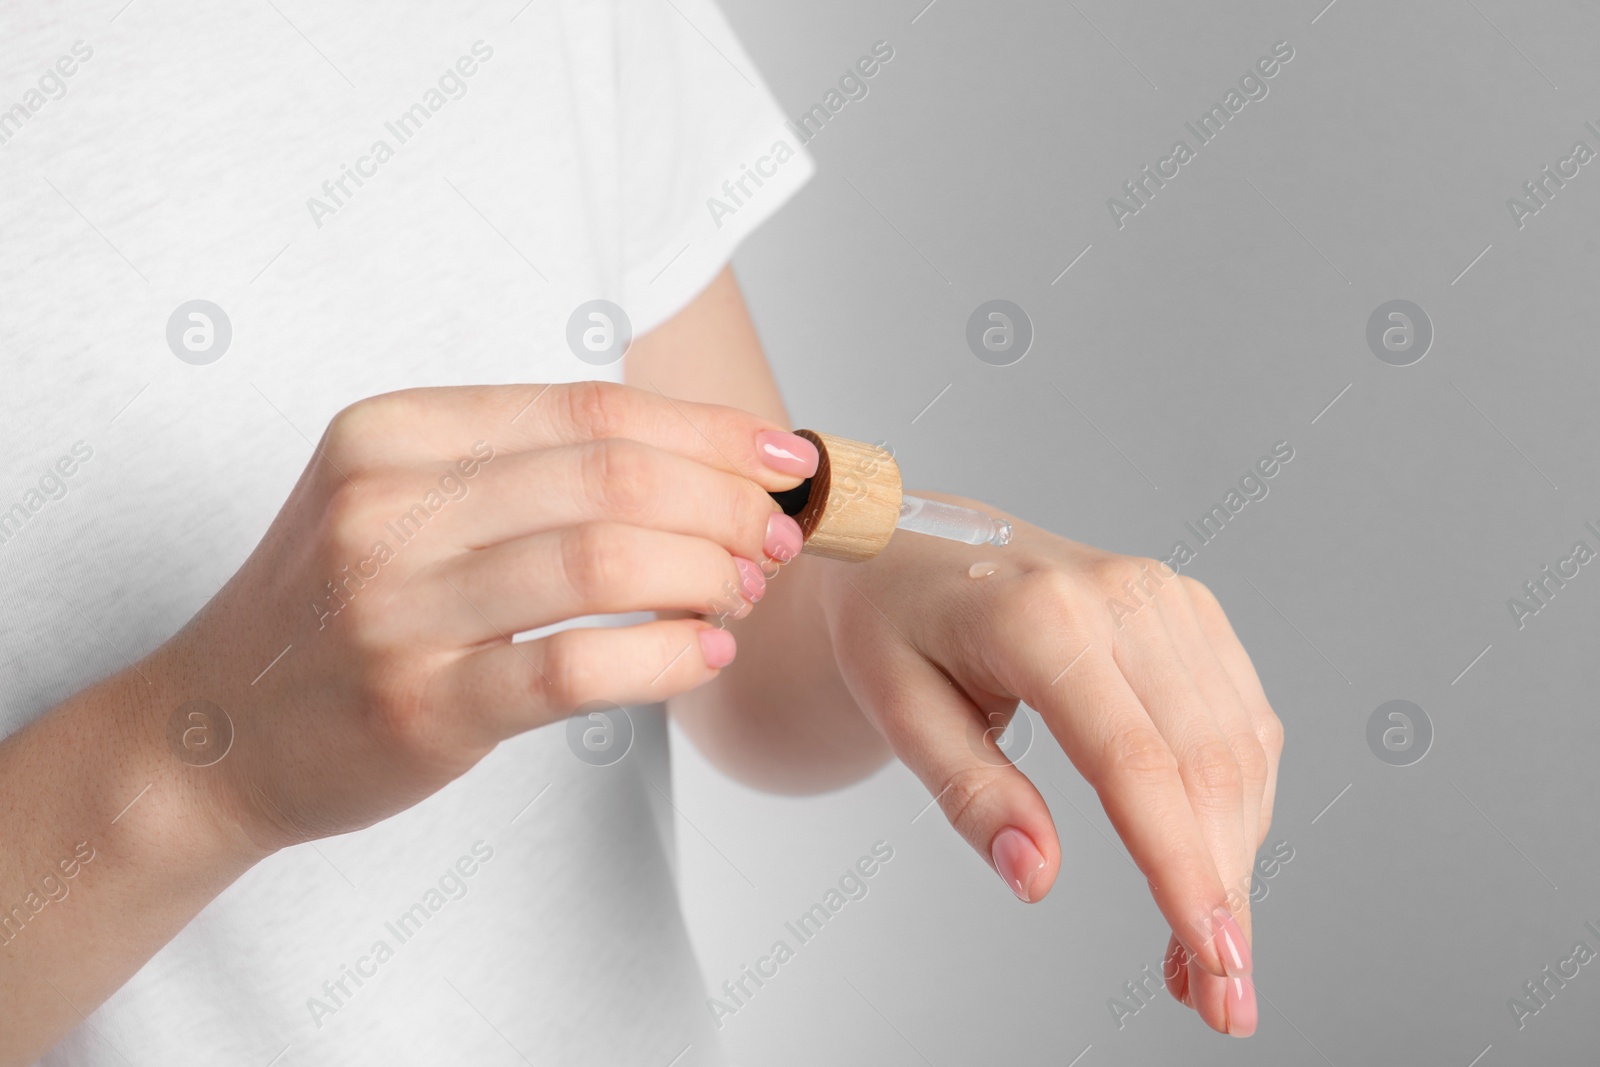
(952, 522)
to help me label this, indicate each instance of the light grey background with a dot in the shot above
(1224, 317)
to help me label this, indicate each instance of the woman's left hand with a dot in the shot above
(1140, 679)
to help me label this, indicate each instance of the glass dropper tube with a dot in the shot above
(952, 522)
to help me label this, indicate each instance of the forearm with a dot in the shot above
(104, 856)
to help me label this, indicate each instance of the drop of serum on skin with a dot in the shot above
(981, 569)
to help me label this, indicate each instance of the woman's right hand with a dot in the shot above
(363, 652)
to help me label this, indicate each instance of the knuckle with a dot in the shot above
(1201, 593)
(349, 422)
(749, 509)
(1269, 731)
(1113, 572)
(1208, 611)
(1128, 584)
(569, 670)
(595, 560)
(352, 431)
(1052, 588)
(1044, 602)
(352, 513)
(1212, 773)
(1139, 751)
(1147, 565)
(1151, 576)
(621, 475)
(598, 409)
(395, 705)
(961, 798)
(1251, 758)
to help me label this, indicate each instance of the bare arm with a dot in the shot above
(604, 500)
(110, 843)
(110, 846)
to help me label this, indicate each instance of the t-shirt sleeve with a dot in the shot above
(706, 153)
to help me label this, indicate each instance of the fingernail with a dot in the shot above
(784, 539)
(1240, 1002)
(1232, 948)
(718, 647)
(1017, 860)
(787, 453)
(751, 579)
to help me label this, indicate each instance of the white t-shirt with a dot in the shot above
(533, 158)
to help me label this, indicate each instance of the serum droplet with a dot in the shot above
(981, 569)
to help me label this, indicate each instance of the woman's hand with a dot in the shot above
(1142, 682)
(363, 651)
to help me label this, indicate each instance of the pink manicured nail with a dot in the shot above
(718, 647)
(1017, 860)
(1232, 948)
(787, 453)
(1240, 1002)
(784, 539)
(751, 579)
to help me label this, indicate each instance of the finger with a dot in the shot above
(948, 743)
(1106, 732)
(1207, 994)
(420, 426)
(1224, 1006)
(1211, 776)
(1228, 1005)
(1234, 721)
(616, 480)
(591, 569)
(1175, 971)
(507, 688)
(1236, 661)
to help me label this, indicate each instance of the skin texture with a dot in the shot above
(588, 499)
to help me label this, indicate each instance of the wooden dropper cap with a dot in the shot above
(849, 509)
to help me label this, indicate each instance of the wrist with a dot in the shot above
(93, 804)
(167, 758)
